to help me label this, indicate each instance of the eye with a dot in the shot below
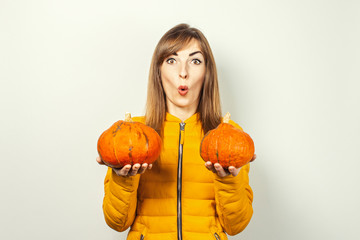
(196, 61)
(170, 60)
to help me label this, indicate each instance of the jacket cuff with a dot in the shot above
(129, 183)
(230, 179)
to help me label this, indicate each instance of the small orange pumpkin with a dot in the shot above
(227, 145)
(128, 142)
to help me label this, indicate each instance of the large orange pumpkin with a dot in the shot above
(128, 142)
(227, 145)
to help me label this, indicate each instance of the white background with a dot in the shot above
(288, 71)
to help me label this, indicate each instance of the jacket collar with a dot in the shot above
(171, 118)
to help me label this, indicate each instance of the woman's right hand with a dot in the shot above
(128, 170)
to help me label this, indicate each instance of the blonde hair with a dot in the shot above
(209, 107)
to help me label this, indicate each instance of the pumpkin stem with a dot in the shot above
(226, 118)
(128, 117)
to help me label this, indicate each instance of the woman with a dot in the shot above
(180, 198)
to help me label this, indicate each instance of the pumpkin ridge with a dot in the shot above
(130, 154)
(217, 147)
(130, 147)
(215, 140)
(207, 150)
(118, 127)
(201, 144)
(229, 149)
(147, 144)
(217, 153)
(113, 148)
(209, 143)
(141, 133)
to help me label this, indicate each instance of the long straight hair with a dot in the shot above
(209, 107)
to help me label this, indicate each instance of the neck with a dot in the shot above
(182, 113)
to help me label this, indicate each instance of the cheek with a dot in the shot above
(168, 85)
(199, 86)
(200, 81)
(199, 75)
(166, 71)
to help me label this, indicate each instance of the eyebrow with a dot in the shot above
(190, 53)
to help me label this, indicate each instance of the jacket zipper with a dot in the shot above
(179, 181)
(217, 236)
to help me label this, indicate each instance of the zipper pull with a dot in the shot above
(182, 130)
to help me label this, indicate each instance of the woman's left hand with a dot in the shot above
(219, 170)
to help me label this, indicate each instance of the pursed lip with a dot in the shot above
(183, 90)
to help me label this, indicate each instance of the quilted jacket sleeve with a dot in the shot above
(119, 204)
(234, 197)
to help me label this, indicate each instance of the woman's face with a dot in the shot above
(182, 76)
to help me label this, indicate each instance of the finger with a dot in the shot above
(220, 170)
(123, 171)
(210, 166)
(143, 168)
(234, 171)
(134, 169)
(150, 166)
(99, 160)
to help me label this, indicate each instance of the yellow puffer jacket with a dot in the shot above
(178, 198)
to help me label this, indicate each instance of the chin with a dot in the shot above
(183, 103)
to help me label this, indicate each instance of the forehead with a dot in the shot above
(192, 46)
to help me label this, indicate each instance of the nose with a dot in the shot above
(183, 71)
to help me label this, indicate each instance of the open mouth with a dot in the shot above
(183, 90)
